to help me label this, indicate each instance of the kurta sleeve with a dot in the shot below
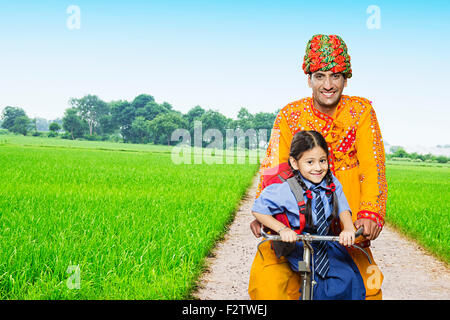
(370, 155)
(278, 149)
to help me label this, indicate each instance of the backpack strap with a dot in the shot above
(284, 248)
(298, 193)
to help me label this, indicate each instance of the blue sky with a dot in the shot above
(225, 55)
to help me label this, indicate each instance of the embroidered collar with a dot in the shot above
(323, 116)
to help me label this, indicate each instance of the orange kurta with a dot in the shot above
(356, 158)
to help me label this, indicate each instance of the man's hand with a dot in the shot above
(255, 226)
(371, 228)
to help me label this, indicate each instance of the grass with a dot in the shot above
(417, 164)
(134, 224)
(418, 205)
(20, 140)
(238, 156)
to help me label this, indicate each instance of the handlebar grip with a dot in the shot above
(359, 232)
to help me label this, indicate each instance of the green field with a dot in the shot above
(418, 205)
(126, 220)
(11, 139)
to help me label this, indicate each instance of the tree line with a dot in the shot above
(400, 154)
(142, 120)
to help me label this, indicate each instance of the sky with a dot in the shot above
(224, 55)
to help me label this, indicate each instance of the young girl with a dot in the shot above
(335, 272)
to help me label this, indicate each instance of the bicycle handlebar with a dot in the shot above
(309, 237)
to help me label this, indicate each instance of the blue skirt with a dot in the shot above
(343, 280)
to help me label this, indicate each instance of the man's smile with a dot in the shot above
(328, 94)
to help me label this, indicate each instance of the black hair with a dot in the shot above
(304, 141)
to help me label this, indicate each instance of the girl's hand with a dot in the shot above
(347, 237)
(288, 235)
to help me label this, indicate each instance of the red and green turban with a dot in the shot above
(326, 53)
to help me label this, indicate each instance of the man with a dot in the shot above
(351, 129)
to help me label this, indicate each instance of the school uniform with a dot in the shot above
(342, 279)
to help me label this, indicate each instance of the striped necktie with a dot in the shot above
(321, 264)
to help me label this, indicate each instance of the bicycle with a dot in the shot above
(305, 266)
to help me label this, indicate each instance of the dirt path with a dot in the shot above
(409, 271)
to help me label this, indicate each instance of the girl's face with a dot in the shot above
(313, 164)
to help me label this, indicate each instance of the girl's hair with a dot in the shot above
(304, 141)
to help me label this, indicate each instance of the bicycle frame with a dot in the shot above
(306, 267)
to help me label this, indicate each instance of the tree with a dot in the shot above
(34, 121)
(141, 101)
(54, 127)
(441, 159)
(73, 123)
(400, 153)
(91, 109)
(244, 114)
(43, 124)
(152, 110)
(214, 120)
(106, 125)
(140, 131)
(414, 155)
(264, 121)
(10, 114)
(122, 116)
(245, 119)
(21, 125)
(167, 106)
(194, 114)
(162, 127)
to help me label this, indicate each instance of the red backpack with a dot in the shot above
(280, 174)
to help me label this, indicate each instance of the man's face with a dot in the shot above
(327, 87)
